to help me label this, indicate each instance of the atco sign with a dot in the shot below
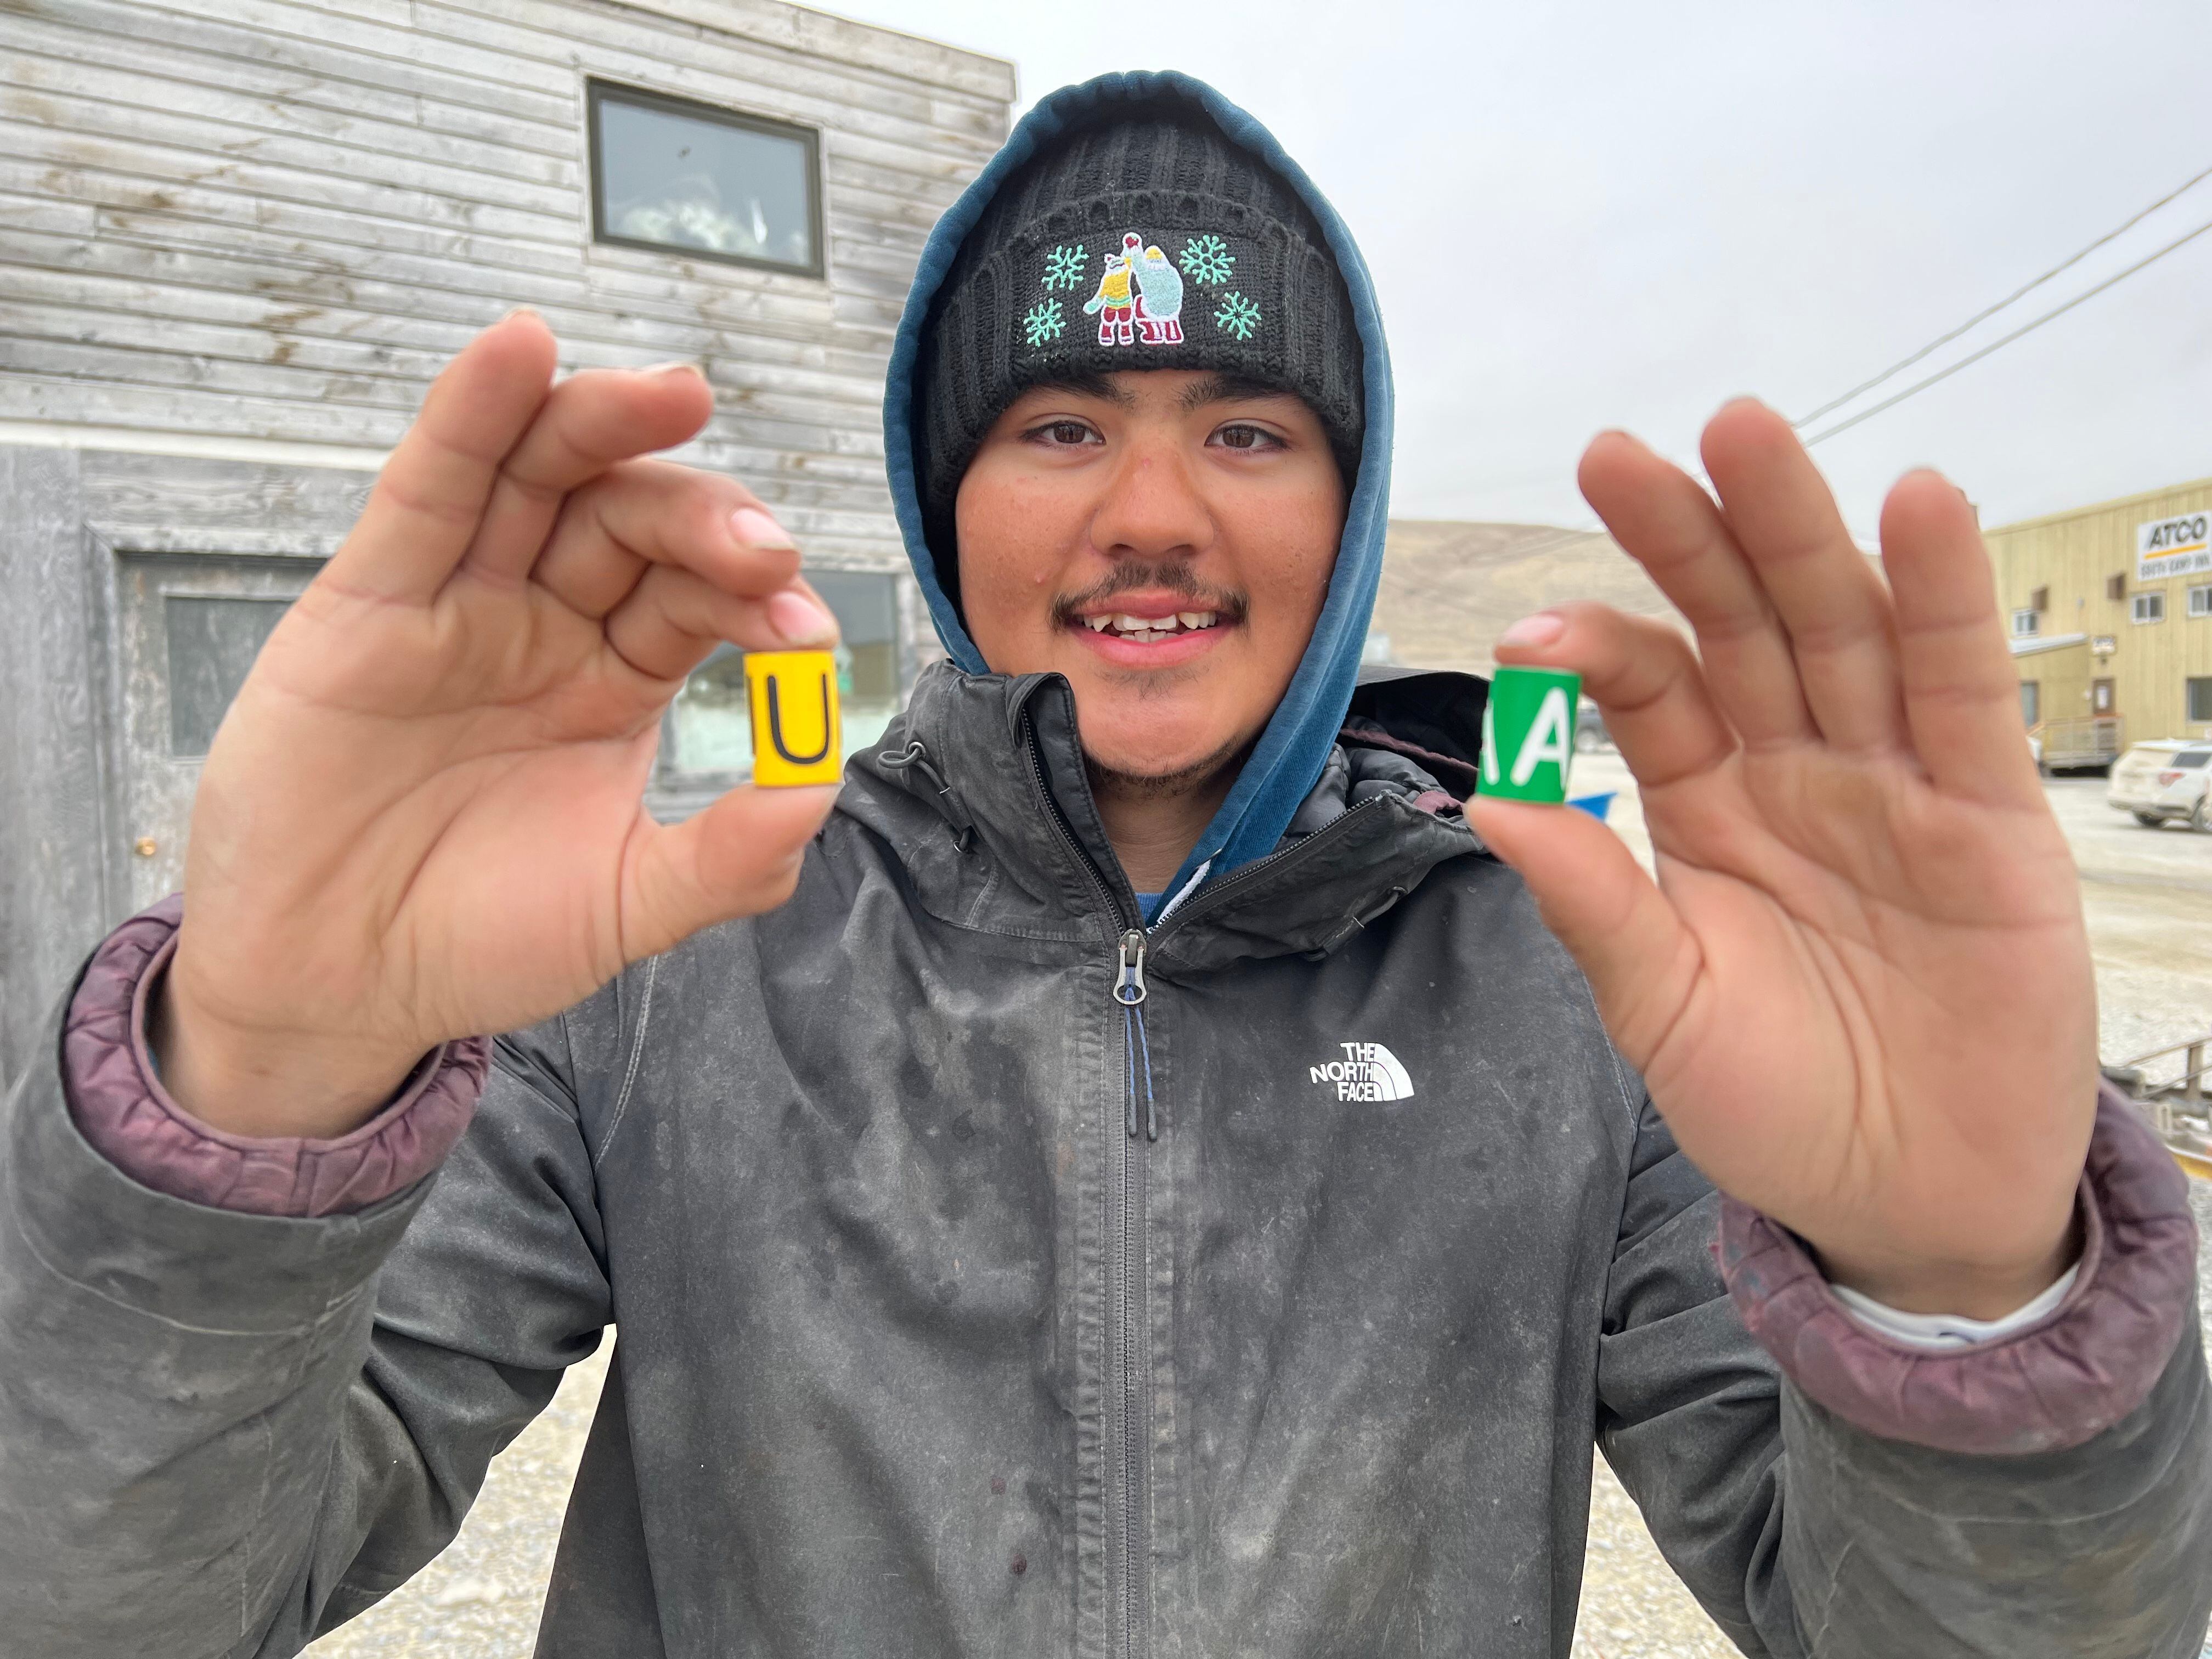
(2172, 547)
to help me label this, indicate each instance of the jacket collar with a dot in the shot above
(980, 791)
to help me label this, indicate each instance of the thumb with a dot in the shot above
(1596, 900)
(738, 857)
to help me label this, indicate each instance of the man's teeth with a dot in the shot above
(1143, 629)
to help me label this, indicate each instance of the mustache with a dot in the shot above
(1129, 578)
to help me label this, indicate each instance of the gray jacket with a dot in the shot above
(970, 1308)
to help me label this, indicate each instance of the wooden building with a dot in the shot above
(237, 238)
(2110, 609)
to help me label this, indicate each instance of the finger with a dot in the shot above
(589, 421)
(673, 617)
(1641, 961)
(1961, 692)
(429, 499)
(1832, 603)
(1672, 528)
(736, 858)
(645, 511)
(1643, 674)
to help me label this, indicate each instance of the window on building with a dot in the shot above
(709, 730)
(2149, 607)
(670, 173)
(2116, 587)
(212, 643)
(2025, 623)
(2040, 601)
(2031, 701)
(2200, 600)
(2200, 699)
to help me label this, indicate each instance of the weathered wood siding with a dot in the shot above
(237, 238)
(274, 219)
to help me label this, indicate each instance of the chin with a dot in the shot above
(1144, 745)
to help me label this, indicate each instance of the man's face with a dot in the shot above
(1164, 540)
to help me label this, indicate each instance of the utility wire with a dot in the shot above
(1983, 316)
(1561, 536)
(1973, 357)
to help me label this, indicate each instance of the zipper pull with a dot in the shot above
(1129, 988)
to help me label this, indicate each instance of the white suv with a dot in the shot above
(2160, 781)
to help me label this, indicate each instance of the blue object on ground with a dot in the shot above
(1595, 805)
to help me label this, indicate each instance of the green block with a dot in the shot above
(1528, 734)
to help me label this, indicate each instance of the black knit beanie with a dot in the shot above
(1144, 240)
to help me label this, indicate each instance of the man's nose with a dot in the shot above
(1152, 507)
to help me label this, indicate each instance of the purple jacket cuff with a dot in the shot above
(120, 1106)
(2050, 1385)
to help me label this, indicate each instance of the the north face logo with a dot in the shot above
(1367, 1071)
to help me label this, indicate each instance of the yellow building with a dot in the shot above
(2110, 609)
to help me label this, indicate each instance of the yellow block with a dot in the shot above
(797, 737)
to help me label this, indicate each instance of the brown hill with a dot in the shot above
(1449, 589)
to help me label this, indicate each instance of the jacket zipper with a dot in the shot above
(1127, 1314)
(1132, 946)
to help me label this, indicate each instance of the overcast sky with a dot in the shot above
(1621, 214)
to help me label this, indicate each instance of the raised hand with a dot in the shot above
(422, 816)
(1860, 992)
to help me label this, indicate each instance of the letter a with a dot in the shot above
(1550, 738)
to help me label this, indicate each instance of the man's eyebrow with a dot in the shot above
(1228, 388)
(1086, 386)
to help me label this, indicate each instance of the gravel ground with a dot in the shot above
(480, 1599)
(2149, 896)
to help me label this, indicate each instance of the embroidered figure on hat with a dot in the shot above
(1063, 267)
(1238, 316)
(1207, 261)
(1041, 322)
(1159, 294)
(1139, 296)
(1114, 305)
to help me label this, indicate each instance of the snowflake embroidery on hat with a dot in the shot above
(1207, 260)
(1063, 267)
(1238, 316)
(1042, 321)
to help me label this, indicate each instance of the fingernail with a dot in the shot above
(520, 311)
(1539, 629)
(800, 620)
(692, 369)
(756, 529)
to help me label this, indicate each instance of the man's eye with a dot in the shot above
(1064, 432)
(1246, 437)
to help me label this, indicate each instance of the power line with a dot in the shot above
(1563, 536)
(1974, 357)
(2020, 293)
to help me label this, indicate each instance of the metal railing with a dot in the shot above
(2080, 739)
(2185, 1091)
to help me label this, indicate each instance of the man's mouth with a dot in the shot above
(1144, 631)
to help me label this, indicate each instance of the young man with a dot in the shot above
(1132, 1175)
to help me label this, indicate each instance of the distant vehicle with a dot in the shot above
(1591, 734)
(2171, 779)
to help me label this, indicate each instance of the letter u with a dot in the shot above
(775, 726)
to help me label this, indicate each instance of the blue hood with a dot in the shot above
(1291, 753)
